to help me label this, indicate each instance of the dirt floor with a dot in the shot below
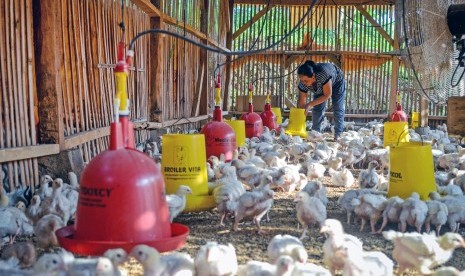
(249, 245)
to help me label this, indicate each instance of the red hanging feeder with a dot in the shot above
(399, 115)
(268, 117)
(253, 121)
(121, 199)
(220, 137)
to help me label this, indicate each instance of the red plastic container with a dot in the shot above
(253, 123)
(121, 204)
(220, 137)
(399, 115)
(269, 118)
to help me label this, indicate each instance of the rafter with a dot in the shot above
(307, 2)
(254, 19)
(375, 23)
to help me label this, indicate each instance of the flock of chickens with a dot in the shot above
(244, 189)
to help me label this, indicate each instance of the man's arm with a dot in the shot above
(327, 91)
(302, 99)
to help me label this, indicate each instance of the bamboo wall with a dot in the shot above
(88, 40)
(76, 111)
(343, 35)
(17, 97)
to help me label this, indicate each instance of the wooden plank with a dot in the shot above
(307, 2)
(217, 45)
(48, 77)
(424, 107)
(148, 8)
(229, 39)
(27, 152)
(377, 26)
(394, 78)
(173, 21)
(156, 71)
(83, 137)
(455, 115)
(254, 19)
(174, 122)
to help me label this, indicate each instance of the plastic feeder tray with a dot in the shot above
(67, 240)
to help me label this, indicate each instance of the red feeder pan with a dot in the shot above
(67, 240)
(121, 204)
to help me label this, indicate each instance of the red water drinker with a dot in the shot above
(220, 137)
(268, 117)
(399, 115)
(253, 121)
(122, 193)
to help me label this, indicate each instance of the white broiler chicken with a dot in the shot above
(444, 178)
(369, 178)
(215, 259)
(255, 204)
(316, 189)
(45, 189)
(34, 211)
(437, 215)
(422, 251)
(284, 266)
(346, 200)
(226, 196)
(391, 212)
(414, 212)
(286, 245)
(310, 211)
(315, 170)
(336, 240)
(177, 202)
(45, 228)
(12, 223)
(117, 256)
(450, 189)
(155, 264)
(369, 207)
(335, 163)
(49, 264)
(25, 252)
(309, 269)
(360, 262)
(58, 203)
(342, 178)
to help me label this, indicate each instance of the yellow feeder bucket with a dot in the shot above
(239, 128)
(395, 132)
(277, 112)
(297, 125)
(184, 162)
(411, 170)
(415, 119)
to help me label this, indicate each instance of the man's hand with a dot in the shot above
(308, 107)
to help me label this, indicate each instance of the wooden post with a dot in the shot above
(199, 105)
(229, 40)
(48, 61)
(156, 71)
(424, 107)
(394, 77)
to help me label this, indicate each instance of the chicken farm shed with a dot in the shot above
(58, 60)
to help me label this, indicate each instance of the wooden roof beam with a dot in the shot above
(149, 8)
(377, 26)
(307, 2)
(255, 18)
